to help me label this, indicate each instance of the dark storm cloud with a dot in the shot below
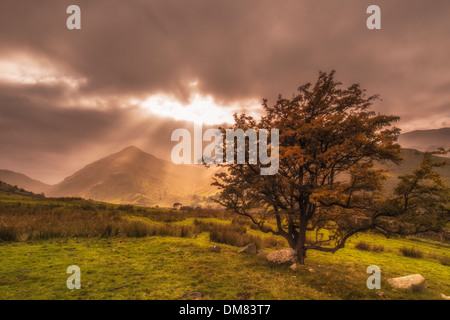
(236, 50)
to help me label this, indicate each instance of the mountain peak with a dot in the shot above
(131, 149)
(134, 176)
(132, 154)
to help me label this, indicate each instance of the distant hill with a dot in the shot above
(136, 177)
(22, 181)
(411, 161)
(426, 140)
(133, 176)
(7, 189)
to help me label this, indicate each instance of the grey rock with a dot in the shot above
(415, 282)
(282, 256)
(251, 249)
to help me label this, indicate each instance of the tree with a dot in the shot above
(327, 183)
(421, 201)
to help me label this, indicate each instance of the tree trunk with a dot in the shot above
(301, 242)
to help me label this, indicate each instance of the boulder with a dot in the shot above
(282, 256)
(251, 248)
(413, 282)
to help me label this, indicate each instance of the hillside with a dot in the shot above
(22, 181)
(133, 176)
(426, 140)
(150, 253)
(7, 190)
(136, 177)
(411, 161)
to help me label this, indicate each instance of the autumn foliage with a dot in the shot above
(327, 182)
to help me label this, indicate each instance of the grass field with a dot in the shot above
(126, 264)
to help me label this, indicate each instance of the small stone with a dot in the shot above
(445, 297)
(251, 248)
(293, 266)
(215, 248)
(311, 270)
(380, 294)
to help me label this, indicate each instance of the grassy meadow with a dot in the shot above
(127, 252)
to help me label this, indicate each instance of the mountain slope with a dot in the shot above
(22, 181)
(426, 140)
(136, 177)
(411, 161)
(133, 176)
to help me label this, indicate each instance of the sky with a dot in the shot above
(137, 70)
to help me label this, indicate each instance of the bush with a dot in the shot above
(378, 248)
(140, 229)
(444, 260)
(233, 238)
(234, 234)
(125, 207)
(411, 252)
(270, 242)
(53, 221)
(8, 233)
(362, 245)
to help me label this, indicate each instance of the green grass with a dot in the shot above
(170, 267)
(131, 265)
(150, 268)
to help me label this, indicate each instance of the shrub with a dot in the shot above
(444, 260)
(48, 222)
(378, 248)
(211, 227)
(233, 238)
(269, 242)
(8, 233)
(125, 207)
(233, 234)
(141, 229)
(362, 245)
(411, 252)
